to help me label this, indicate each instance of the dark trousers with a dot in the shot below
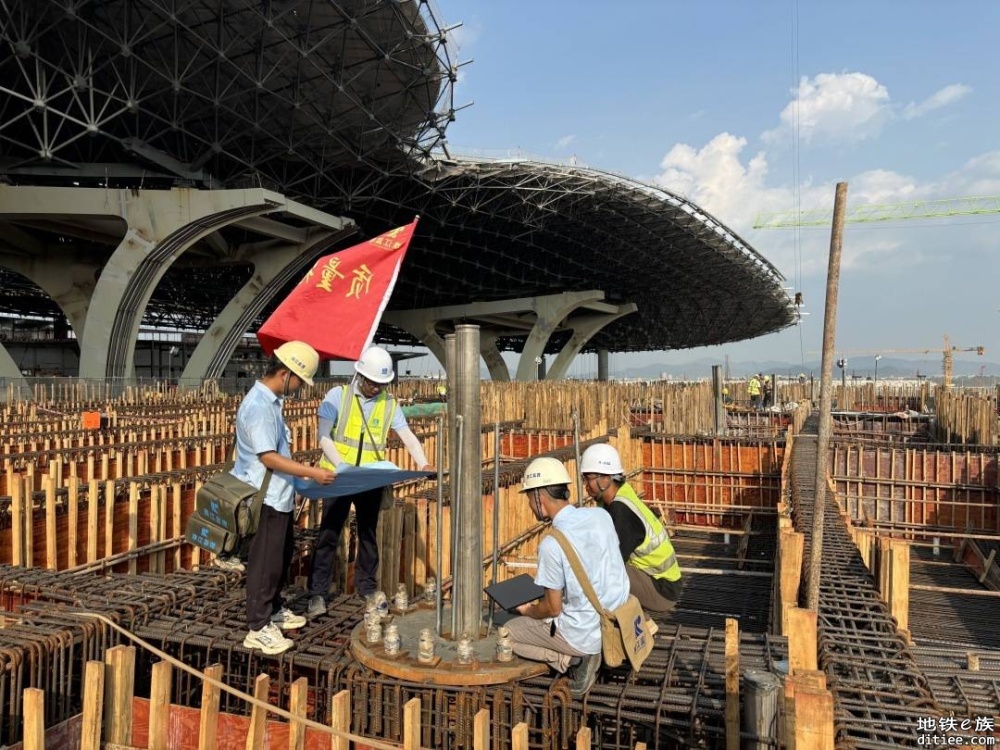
(335, 512)
(270, 555)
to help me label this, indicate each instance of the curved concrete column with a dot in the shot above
(274, 266)
(584, 328)
(161, 227)
(499, 372)
(550, 313)
(69, 282)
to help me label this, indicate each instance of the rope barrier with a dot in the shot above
(368, 741)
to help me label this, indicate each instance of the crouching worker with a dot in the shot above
(654, 574)
(562, 629)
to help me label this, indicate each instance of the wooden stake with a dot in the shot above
(34, 719)
(17, 521)
(133, 525)
(584, 738)
(813, 718)
(732, 684)
(49, 486)
(119, 684)
(519, 737)
(899, 585)
(802, 647)
(258, 715)
(340, 719)
(411, 724)
(481, 730)
(73, 493)
(298, 704)
(208, 728)
(92, 508)
(93, 706)
(109, 517)
(159, 706)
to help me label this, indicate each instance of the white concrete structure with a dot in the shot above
(104, 299)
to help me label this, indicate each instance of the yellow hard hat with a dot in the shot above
(300, 358)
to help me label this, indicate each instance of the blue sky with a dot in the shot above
(900, 99)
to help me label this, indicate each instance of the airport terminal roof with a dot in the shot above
(343, 105)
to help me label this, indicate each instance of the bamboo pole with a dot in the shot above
(823, 438)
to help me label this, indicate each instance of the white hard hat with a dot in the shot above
(544, 472)
(376, 365)
(300, 359)
(601, 458)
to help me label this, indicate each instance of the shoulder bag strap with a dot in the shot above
(578, 570)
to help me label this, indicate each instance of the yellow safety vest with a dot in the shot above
(356, 444)
(753, 388)
(655, 556)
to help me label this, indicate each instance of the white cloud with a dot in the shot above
(834, 108)
(564, 142)
(941, 98)
(734, 188)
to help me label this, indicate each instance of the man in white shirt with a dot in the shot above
(354, 425)
(562, 629)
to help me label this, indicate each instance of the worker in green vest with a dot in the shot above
(753, 390)
(653, 571)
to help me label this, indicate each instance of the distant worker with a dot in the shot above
(562, 629)
(753, 390)
(262, 447)
(725, 395)
(654, 575)
(354, 424)
(768, 395)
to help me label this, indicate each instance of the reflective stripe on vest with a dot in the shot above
(655, 555)
(349, 434)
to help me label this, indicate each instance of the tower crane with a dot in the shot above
(947, 355)
(866, 214)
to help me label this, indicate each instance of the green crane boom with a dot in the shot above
(823, 217)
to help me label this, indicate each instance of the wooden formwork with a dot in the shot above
(917, 487)
(711, 482)
(967, 416)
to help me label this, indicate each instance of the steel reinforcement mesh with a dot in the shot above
(879, 690)
(676, 700)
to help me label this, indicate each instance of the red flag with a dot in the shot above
(337, 306)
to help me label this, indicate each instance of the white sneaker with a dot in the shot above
(316, 608)
(269, 640)
(285, 619)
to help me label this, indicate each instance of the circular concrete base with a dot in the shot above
(445, 670)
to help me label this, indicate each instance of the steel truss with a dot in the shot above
(343, 105)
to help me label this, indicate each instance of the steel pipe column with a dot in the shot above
(602, 364)
(469, 553)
